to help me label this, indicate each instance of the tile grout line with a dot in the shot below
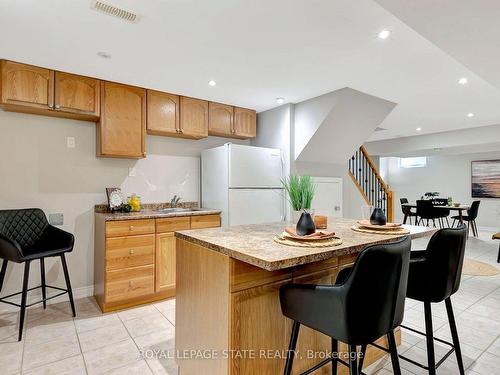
(137, 346)
(80, 346)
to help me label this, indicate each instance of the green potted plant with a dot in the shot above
(300, 190)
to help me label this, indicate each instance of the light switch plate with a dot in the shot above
(131, 172)
(70, 142)
(56, 219)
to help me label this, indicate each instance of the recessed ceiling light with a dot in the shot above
(462, 80)
(470, 114)
(418, 129)
(280, 100)
(104, 55)
(384, 34)
(212, 83)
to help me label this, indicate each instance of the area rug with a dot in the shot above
(476, 268)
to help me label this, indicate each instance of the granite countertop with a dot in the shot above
(254, 244)
(154, 214)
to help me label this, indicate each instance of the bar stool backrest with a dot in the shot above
(445, 256)
(23, 226)
(377, 284)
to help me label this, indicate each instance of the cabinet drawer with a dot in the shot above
(129, 227)
(205, 221)
(171, 224)
(129, 283)
(132, 251)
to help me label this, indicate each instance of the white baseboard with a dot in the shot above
(36, 295)
(489, 229)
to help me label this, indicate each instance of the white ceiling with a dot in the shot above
(258, 50)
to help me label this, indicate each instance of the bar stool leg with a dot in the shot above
(429, 335)
(353, 362)
(68, 284)
(23, 298)
(394, 353)
(454, 335)
(2, 272)
(42, 278)
(335, 352)
(291, 348)
(362, 353)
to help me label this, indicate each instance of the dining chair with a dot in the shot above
(426, 211)
(339, 310)
(407, 212)
(470, 218)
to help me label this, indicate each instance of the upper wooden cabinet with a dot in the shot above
(245, 123)
(77, 94)
(193, 118)
(220, 119)
(122, 126)
(163, 113)
(26, 86)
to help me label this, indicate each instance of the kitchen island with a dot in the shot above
(228, 315)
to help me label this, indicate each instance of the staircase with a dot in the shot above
(370, 184)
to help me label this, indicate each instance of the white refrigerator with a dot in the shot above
(244, 182)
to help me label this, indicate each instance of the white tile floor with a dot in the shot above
(96, 343)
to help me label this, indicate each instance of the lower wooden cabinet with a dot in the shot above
(165, 262)
(134, 260)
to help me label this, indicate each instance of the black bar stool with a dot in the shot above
(435, 276)
(366, 303)
(25, 235)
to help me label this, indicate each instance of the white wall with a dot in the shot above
(450, 175)
(37, 170)
(276, 128)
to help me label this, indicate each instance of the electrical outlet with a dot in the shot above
(56, 219)
(70, 142)
(131, 172)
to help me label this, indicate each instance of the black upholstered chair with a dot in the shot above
(434, 277)
(25, 236)
(407, 212)
(426, 211)
(470, 218)
(376, 283)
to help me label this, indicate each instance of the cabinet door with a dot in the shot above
(122, 125)
(77, 94)
(26, 85)
(220, 119)
(165, 261)
(163, 113)
(194, 118)
(245, 123)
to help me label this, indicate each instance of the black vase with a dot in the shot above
(378, 217)
(305, 225)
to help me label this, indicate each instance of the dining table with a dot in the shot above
(460, 209)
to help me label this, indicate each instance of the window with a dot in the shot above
(416, 162)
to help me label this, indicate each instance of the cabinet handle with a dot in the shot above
(131, 227)
(58, 106)
(131, 284)
(131, 251)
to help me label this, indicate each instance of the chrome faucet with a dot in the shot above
(175, 201)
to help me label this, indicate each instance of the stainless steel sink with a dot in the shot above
(177, 209)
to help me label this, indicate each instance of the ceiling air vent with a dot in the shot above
(379, 129)
(113, 10)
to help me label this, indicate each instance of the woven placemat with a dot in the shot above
(376, 231)
(336, 241)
